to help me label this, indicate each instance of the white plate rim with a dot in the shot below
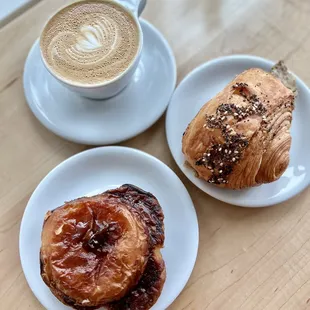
(64, 135)
(103, 149)
(191, 177)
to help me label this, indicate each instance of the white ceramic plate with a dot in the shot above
(94, 171)
(204, 83)
(98, 122)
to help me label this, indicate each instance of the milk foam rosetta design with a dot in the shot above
(90, 42)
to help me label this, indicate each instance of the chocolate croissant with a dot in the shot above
(105, 250)
(241, 138)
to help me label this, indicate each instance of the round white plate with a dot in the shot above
(94, 171)
(204, 83)
(98, 122)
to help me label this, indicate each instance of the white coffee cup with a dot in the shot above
(111, 88)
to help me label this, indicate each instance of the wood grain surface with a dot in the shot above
(248, 258)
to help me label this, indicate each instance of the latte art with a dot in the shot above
(95, 43)
(96, 36)
(90, 42)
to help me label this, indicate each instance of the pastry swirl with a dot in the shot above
(105, 250)
(241, 137)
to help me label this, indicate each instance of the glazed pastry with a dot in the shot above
(105, 250)
(145, 294)
(241, 137)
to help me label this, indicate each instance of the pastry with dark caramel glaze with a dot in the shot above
(105, 250)
(145, 294)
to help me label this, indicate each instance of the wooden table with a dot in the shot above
(248, 258)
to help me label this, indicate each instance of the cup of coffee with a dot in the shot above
(93, 47)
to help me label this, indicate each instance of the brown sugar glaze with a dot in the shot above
(97, 250)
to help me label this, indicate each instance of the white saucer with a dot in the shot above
(109, 121)
(94, 171)
(204, 83)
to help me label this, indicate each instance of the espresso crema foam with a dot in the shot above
(90, 42)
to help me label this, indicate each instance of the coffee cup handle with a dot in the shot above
(136, 6)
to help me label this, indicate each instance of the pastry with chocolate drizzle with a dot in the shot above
(241, 138)
(105, 251)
